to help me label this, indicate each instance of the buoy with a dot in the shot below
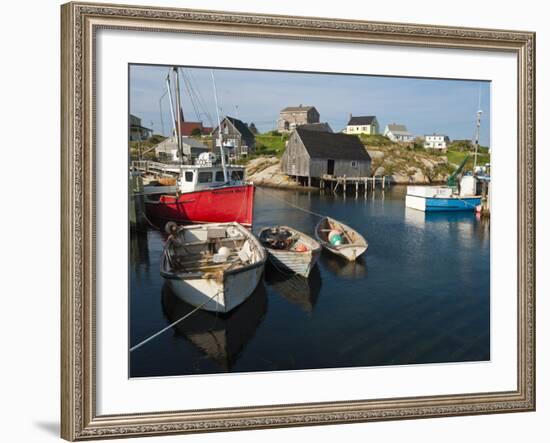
(334, 232)
(224, 250)
(171, 227)
(301, 248)
(336, 240)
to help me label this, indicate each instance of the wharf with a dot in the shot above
(343, 183)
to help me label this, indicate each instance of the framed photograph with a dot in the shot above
(277, 221)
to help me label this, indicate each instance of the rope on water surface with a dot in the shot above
(292, 204)
(155, 335)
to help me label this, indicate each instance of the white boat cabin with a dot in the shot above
(196, 178)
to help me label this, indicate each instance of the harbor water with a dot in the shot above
(419, 295)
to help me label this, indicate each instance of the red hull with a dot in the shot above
(216, 205)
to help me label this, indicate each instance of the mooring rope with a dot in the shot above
(171, 325)
(292, 204)
(466, 202)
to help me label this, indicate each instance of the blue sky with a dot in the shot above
(425, 106)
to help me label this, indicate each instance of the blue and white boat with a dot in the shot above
(452, 197)
(440, 198)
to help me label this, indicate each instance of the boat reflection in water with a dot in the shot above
(343, 268)
(300, 291)
(220, 336)
(467, 224)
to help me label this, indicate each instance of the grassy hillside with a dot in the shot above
(138, 147)
(376, 140)
(456, 157)
(416, 163)
(270, 144)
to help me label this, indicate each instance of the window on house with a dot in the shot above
(188, 176)
(205, 177)
(353, 164)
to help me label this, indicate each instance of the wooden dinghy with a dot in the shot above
(290, 249)
(349, 244)
(213, 266)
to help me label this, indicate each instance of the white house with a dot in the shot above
(436, 141)
(167, 150)
(365, 124)
(398, 133)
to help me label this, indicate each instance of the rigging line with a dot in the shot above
(155, 335)
(198, 106)
(202, 101)
(291, 204)
(193, 95)
(186, 82)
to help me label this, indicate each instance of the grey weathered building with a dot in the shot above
(317, 154)
(322, 127)
(237, 136)
(137, 130)
(293, 116)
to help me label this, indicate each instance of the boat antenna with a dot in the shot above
(179, 111)
(220, 137)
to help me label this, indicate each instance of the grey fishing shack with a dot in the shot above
(317, 154)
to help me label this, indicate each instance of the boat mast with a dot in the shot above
(220, 137)
(178, 106)
(476, 141)
(169, 89)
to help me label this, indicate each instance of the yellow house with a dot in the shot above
(366, 124)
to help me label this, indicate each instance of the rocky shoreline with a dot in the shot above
(266, 171)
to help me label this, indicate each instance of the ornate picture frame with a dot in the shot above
(80, 22)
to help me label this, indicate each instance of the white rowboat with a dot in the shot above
(290, 249)
(353, 244)
(201, 275)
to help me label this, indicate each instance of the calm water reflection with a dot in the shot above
(419, 295)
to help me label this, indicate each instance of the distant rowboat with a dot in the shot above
(213, 266)
(350, 244)
(290, 249)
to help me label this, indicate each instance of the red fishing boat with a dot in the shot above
(210, 191)
(202, 195)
